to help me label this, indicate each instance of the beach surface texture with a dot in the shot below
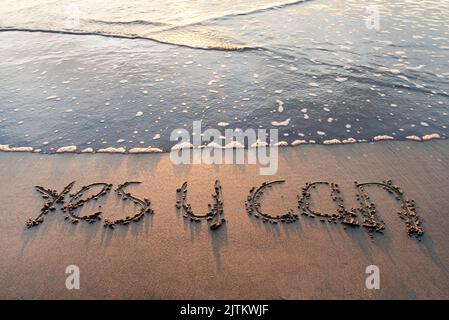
(165, 256)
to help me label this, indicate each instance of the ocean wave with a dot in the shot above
(275, 6)
(130, 22)
(198, 31)
(226, 16)
(178, 39)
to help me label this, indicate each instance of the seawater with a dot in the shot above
(125, 74)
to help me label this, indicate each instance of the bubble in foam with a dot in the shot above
(332, 141)
(182, 145)
(4, 147)
(7, 148)
(234, 145)
(66, 149)
(432, 136)
(349, 141)
(281, 123)
(112, 150)
(341, 79)
(213, 145)
(259, 144)
(383, 138)
(281, 144)
(298, 142)
(413, 138)
(145, 150)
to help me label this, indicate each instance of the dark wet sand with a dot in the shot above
(165, 257)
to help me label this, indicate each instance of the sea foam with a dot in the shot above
(66, 149)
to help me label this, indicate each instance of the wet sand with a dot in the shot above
(164, 256)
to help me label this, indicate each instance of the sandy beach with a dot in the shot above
(164, 256)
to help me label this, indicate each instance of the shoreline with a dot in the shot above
(73, 149)
(163, 256)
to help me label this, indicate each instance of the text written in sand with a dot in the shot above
(365, 215)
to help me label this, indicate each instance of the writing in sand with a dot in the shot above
(365, 215)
